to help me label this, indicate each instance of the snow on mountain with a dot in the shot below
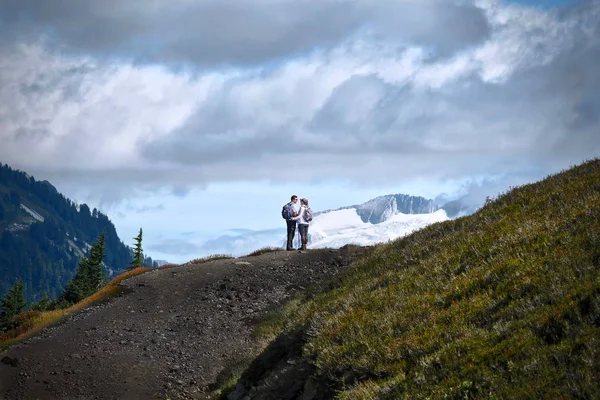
(382, 208)
(375, 221)
(341, 227)
(34, 214)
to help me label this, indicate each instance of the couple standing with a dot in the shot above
(302, 217)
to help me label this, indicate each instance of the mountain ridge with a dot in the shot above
(43, 234)
(381, 208)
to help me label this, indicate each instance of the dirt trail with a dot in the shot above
(170, 333)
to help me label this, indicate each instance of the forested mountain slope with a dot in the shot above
(43, 234)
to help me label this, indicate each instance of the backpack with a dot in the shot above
(287, 212)
(308, 214)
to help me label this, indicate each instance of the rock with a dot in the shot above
(13, 362)
(238, 393)
(243, 263)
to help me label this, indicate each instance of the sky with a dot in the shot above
(190, 119)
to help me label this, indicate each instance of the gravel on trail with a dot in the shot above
(169, 334)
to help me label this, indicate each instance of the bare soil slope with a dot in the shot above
(170, 333)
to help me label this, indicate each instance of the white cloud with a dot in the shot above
(496, 90)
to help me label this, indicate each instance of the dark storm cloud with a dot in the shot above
(243, 32)
(544, 113)
(448, 27)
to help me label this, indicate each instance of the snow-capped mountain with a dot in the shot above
(347, 226)
(378, 220)
(382, 208)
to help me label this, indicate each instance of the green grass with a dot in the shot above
(504, 303)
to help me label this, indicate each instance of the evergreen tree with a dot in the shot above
(12, 304)
(95, 263)
(138, 255)
(43, 304)
(15, 198)
(76, 288)
(88, 277)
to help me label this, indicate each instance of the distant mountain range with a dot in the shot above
(377, 220)
(338, 228)
(382, 208)
(43, 235)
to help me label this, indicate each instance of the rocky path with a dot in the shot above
(169, 334)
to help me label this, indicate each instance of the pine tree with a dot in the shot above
(88, 277)
(76, 288)
(138, 255)
(43, 304)
(95, 263)
(12, 304)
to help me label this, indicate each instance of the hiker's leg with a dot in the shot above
(291, 230)
(303, 235)
(305, 239)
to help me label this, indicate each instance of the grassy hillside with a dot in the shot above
(504, 303)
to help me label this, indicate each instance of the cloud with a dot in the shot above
(471, 113)
(145, 209)
(471, 195)
(242, 242)
(174, 247)
(234, 242)
(371, 97)
(234, 32)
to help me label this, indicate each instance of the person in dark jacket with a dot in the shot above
(291, 223)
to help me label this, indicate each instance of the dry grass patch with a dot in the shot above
(264, 250)
(31, 321)
(212, 257)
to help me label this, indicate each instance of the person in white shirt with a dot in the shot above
(303, 219)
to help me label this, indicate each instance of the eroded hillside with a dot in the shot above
(174, 332)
